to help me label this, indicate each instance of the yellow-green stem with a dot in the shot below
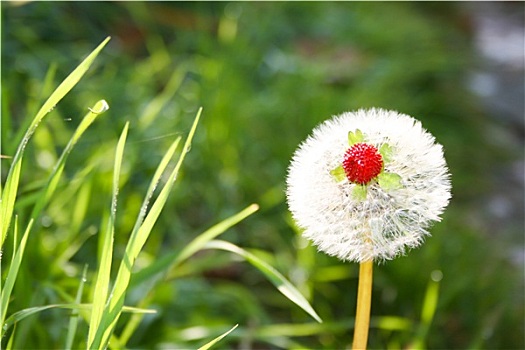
(364, 298)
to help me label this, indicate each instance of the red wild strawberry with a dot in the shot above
(362, 162)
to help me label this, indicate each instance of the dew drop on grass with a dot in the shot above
(436, 275)
(114, 205)
(102, 109)
(46, 221)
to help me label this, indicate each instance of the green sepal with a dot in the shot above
(355, 137)
(338, 173)
(386, 152)
(359, 192)
(389, 181)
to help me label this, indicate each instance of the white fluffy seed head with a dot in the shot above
(387, 222)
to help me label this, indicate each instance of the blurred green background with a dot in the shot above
(266, 74)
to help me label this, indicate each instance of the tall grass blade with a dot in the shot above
(8, 195)
(143, 210)
(3, 306)
(100, 292)
(52, 183)
(7, 288)
(136, 242)
(153, 184)
(278, 280)
(216, 340)
(73, 320)
(8, 198)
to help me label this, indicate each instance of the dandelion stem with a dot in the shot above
(364, 297)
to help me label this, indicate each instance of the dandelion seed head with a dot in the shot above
(389, 220)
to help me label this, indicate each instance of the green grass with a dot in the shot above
(108, 296)
(172, 237)
(13, 177)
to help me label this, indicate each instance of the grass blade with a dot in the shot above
(136, 242)
(135, 319)
(216, 340)
(172, 260)
(52, 183)
(199, 242)
(11, 276)
(73, 320)
(153, 184)
(8, 198)
(427, 313)
(22, 314)
(13, 176)
(278, 280)
(100, 292)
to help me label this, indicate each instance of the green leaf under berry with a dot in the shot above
(389, 181)
(359, 192)
(386, 152)
(338, 173)
(355, 137)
